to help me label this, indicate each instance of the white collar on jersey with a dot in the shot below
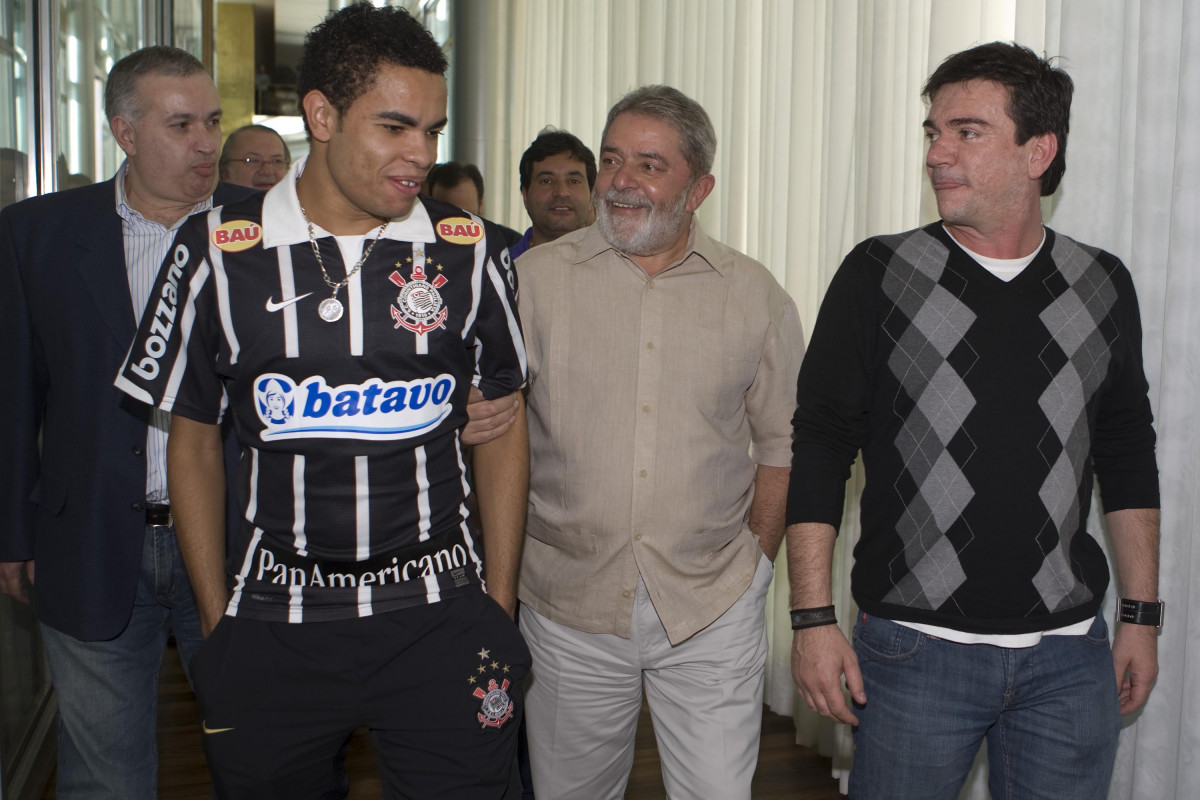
(283, 223)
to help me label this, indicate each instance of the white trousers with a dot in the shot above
(705, 698)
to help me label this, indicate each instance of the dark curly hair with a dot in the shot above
(551, 143)
(1039, 94)
(342, 55)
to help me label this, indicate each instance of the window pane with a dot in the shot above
(17, 179)
(92, 37)
(187, 19)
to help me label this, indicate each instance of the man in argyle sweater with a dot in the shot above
(987, 367)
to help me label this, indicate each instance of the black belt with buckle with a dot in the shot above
(158, 514)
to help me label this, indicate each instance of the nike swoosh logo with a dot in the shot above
(206, 729)
(273, 306)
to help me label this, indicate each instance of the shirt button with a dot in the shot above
(650, 284)
(626, 593)
(637, 537)
(649, 345)
(137, 506)
(137, 449)
(645, 408)
(642, 474)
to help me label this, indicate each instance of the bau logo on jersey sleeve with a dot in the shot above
(460, 230)
(237, 235)
(372, 410)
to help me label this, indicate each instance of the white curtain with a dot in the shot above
(818, 115)
(1133, 187)
(815, 104)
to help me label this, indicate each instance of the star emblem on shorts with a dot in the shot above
(486, 664)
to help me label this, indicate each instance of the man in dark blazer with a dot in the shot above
(87, 503)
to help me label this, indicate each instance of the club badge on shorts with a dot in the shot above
(496, 707)
(419, 306)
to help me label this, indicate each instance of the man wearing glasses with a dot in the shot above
(255, 156)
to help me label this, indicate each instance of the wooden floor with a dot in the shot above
(785, 770)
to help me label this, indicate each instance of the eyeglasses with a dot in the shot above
(254, 162)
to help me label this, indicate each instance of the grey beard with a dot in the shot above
(652, 236)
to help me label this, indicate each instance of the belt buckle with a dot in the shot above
(154, 512)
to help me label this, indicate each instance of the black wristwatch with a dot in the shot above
(1139, 612)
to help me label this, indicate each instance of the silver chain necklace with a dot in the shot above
(330, 308)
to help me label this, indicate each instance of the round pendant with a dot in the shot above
(330, 309)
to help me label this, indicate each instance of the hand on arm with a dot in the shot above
(502, 486)
(1135, 647)
(489, 419)
(769, 507)
(196, 481)
(822, 655)
(10, 578)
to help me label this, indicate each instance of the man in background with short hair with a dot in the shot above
(458, 184)
(90, 504)
(557, 172)
(255, 156)
(461, 184)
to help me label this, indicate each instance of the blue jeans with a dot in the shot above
(1049, 713)
(108, 691)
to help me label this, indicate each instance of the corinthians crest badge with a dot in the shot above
(496, 707)
(419, 306)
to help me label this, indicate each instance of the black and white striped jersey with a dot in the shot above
(352, 483)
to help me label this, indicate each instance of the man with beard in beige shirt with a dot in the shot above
(662, 370)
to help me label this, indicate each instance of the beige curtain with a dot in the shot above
(818, 116)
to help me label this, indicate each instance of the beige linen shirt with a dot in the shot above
(651, 400)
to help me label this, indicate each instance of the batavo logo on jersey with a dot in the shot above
(460, 230)
(372, 410)
(237, 235)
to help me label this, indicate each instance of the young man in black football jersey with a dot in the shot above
(343, 321)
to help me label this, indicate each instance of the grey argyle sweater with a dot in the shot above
(982, 410)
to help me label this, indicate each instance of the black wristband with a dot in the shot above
(1139, 612)
(812, 617)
